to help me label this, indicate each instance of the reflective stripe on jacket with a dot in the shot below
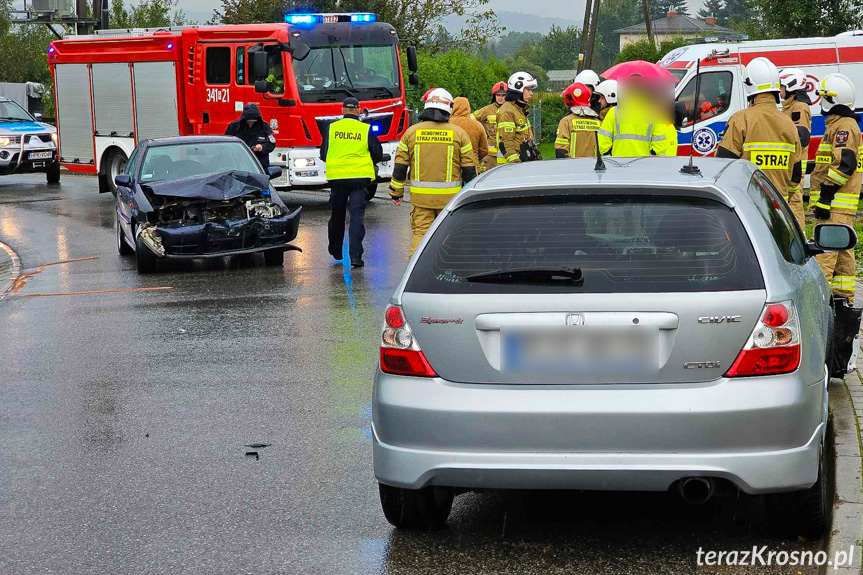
(841, 134)
(632, 140)
(513, 129)
(487, 116)
(577, 135)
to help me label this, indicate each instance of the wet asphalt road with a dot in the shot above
(125, 419)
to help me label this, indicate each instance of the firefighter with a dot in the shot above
(350, 151)
(795, 105)
(590, 79)
(487, 116)
(439, 156)
(606, 93)
(576, 133)
(837, 166)
(462, 118)
(255, 132)
(514, 133)
(641, 133)
(761, 133)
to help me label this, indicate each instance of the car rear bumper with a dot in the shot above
(761, 434)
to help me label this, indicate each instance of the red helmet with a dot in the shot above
(577, 94)
(499, 88)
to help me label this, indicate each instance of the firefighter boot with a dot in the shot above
(846, 338)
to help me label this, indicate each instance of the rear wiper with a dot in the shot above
(529, 275)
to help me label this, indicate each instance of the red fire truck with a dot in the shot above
(118, 87)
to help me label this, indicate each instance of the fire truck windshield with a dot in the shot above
(332, 73)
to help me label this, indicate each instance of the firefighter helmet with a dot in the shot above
(836, 90)
(576, 94)
(521, 80)
(499, 88)
(608, 88)
(438, 99)
(793, 79)
(762, 77)
(588, 77)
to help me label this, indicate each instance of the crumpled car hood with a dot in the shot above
(218, 186)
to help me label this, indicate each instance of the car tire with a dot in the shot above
(426, 508)
(113, 165)
(145, 260)
(122, 246)
(273, 258)
(53, 174)
(371, 191)
(806, 512)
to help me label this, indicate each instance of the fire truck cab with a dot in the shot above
(721, 68)
(118, 87)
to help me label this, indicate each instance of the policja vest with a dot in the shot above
(348, 155)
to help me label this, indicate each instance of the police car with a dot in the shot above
(26, 145)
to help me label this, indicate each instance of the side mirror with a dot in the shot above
(299, 51)
(275, 172)
(834, 237)
(123, 180)
(37, 115)
(412, 59)
(414, 79)
(259, 65)
(261, 86)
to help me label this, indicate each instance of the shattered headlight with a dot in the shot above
(262, 209)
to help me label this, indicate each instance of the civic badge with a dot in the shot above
(574, 319)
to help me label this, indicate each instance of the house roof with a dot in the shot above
(676, 24)
(561, 75)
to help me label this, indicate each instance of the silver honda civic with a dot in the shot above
(635, 328)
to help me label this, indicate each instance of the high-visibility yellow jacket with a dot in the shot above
(348, 154)
(440, 159)
(513, 130)
(633, 139)
(838, 165)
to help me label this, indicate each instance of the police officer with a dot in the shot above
(255, 132)
(514, 133)
(576, 132)
(837, 166)
(641, 132)
(761, 133)
(350, 151)
(606, 95)
(487, 116)
(439, 156)
(795, 105)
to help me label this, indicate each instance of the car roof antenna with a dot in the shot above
(691, 168)
(600, 165)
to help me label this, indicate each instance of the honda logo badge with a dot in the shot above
(574, 319)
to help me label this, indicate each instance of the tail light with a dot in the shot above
(773, 347)
(400, 353)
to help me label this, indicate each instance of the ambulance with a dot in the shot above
(721, 67)
(119, 87)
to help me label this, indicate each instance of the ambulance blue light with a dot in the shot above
(360, 18)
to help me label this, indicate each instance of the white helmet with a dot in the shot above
(608, 88)
(836, 90)
(521, 80)
(762, 77)
(588, 77)
(793, 79)
(438, 99)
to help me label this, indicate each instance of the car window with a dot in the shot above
(179, 161)
(241, 65)
(132, 164)
(714, 98)
(622, 244)
(779, 219)
(218, 65)
(10, 111)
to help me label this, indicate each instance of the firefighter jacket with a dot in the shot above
(798, 110)
(634, 139)
(461, 117)
(513, 132)
(767, 138)
(439, 157)
(350, 150)
(487, 116)
(257, 133)
(837, 165)
(576, 135)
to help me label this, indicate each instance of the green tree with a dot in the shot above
(156, 14)
(646, 50)
(559, 48)
(799, 18)
(713, 8)
(660, 8)
(613, 15)
(460, 72)
(512, 41)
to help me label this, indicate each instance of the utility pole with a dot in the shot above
(647, 21)
(593, 20)
(585, 32)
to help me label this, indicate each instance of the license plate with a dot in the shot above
(40, 155)
(580, 350)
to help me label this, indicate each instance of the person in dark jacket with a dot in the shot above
(255, 132)
(350, 151)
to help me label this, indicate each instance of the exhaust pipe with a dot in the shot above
(697, 490)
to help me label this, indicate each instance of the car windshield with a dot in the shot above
(332, 73)
(174, 162)
(12, 112)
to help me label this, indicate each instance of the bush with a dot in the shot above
(460, 72)
(553, 110)
(645, 50)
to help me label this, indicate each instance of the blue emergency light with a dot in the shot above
(304, 18)
(312, 19)
(357, 18)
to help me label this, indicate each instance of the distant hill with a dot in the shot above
(516, 22)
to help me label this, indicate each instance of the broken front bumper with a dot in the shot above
(223, 237)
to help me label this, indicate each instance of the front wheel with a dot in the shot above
(53, 174)
(145, 260)
(426, 508)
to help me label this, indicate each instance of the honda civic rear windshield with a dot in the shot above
(599, 244)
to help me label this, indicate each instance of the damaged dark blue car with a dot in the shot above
(200, 197)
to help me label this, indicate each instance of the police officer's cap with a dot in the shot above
(351, 103)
